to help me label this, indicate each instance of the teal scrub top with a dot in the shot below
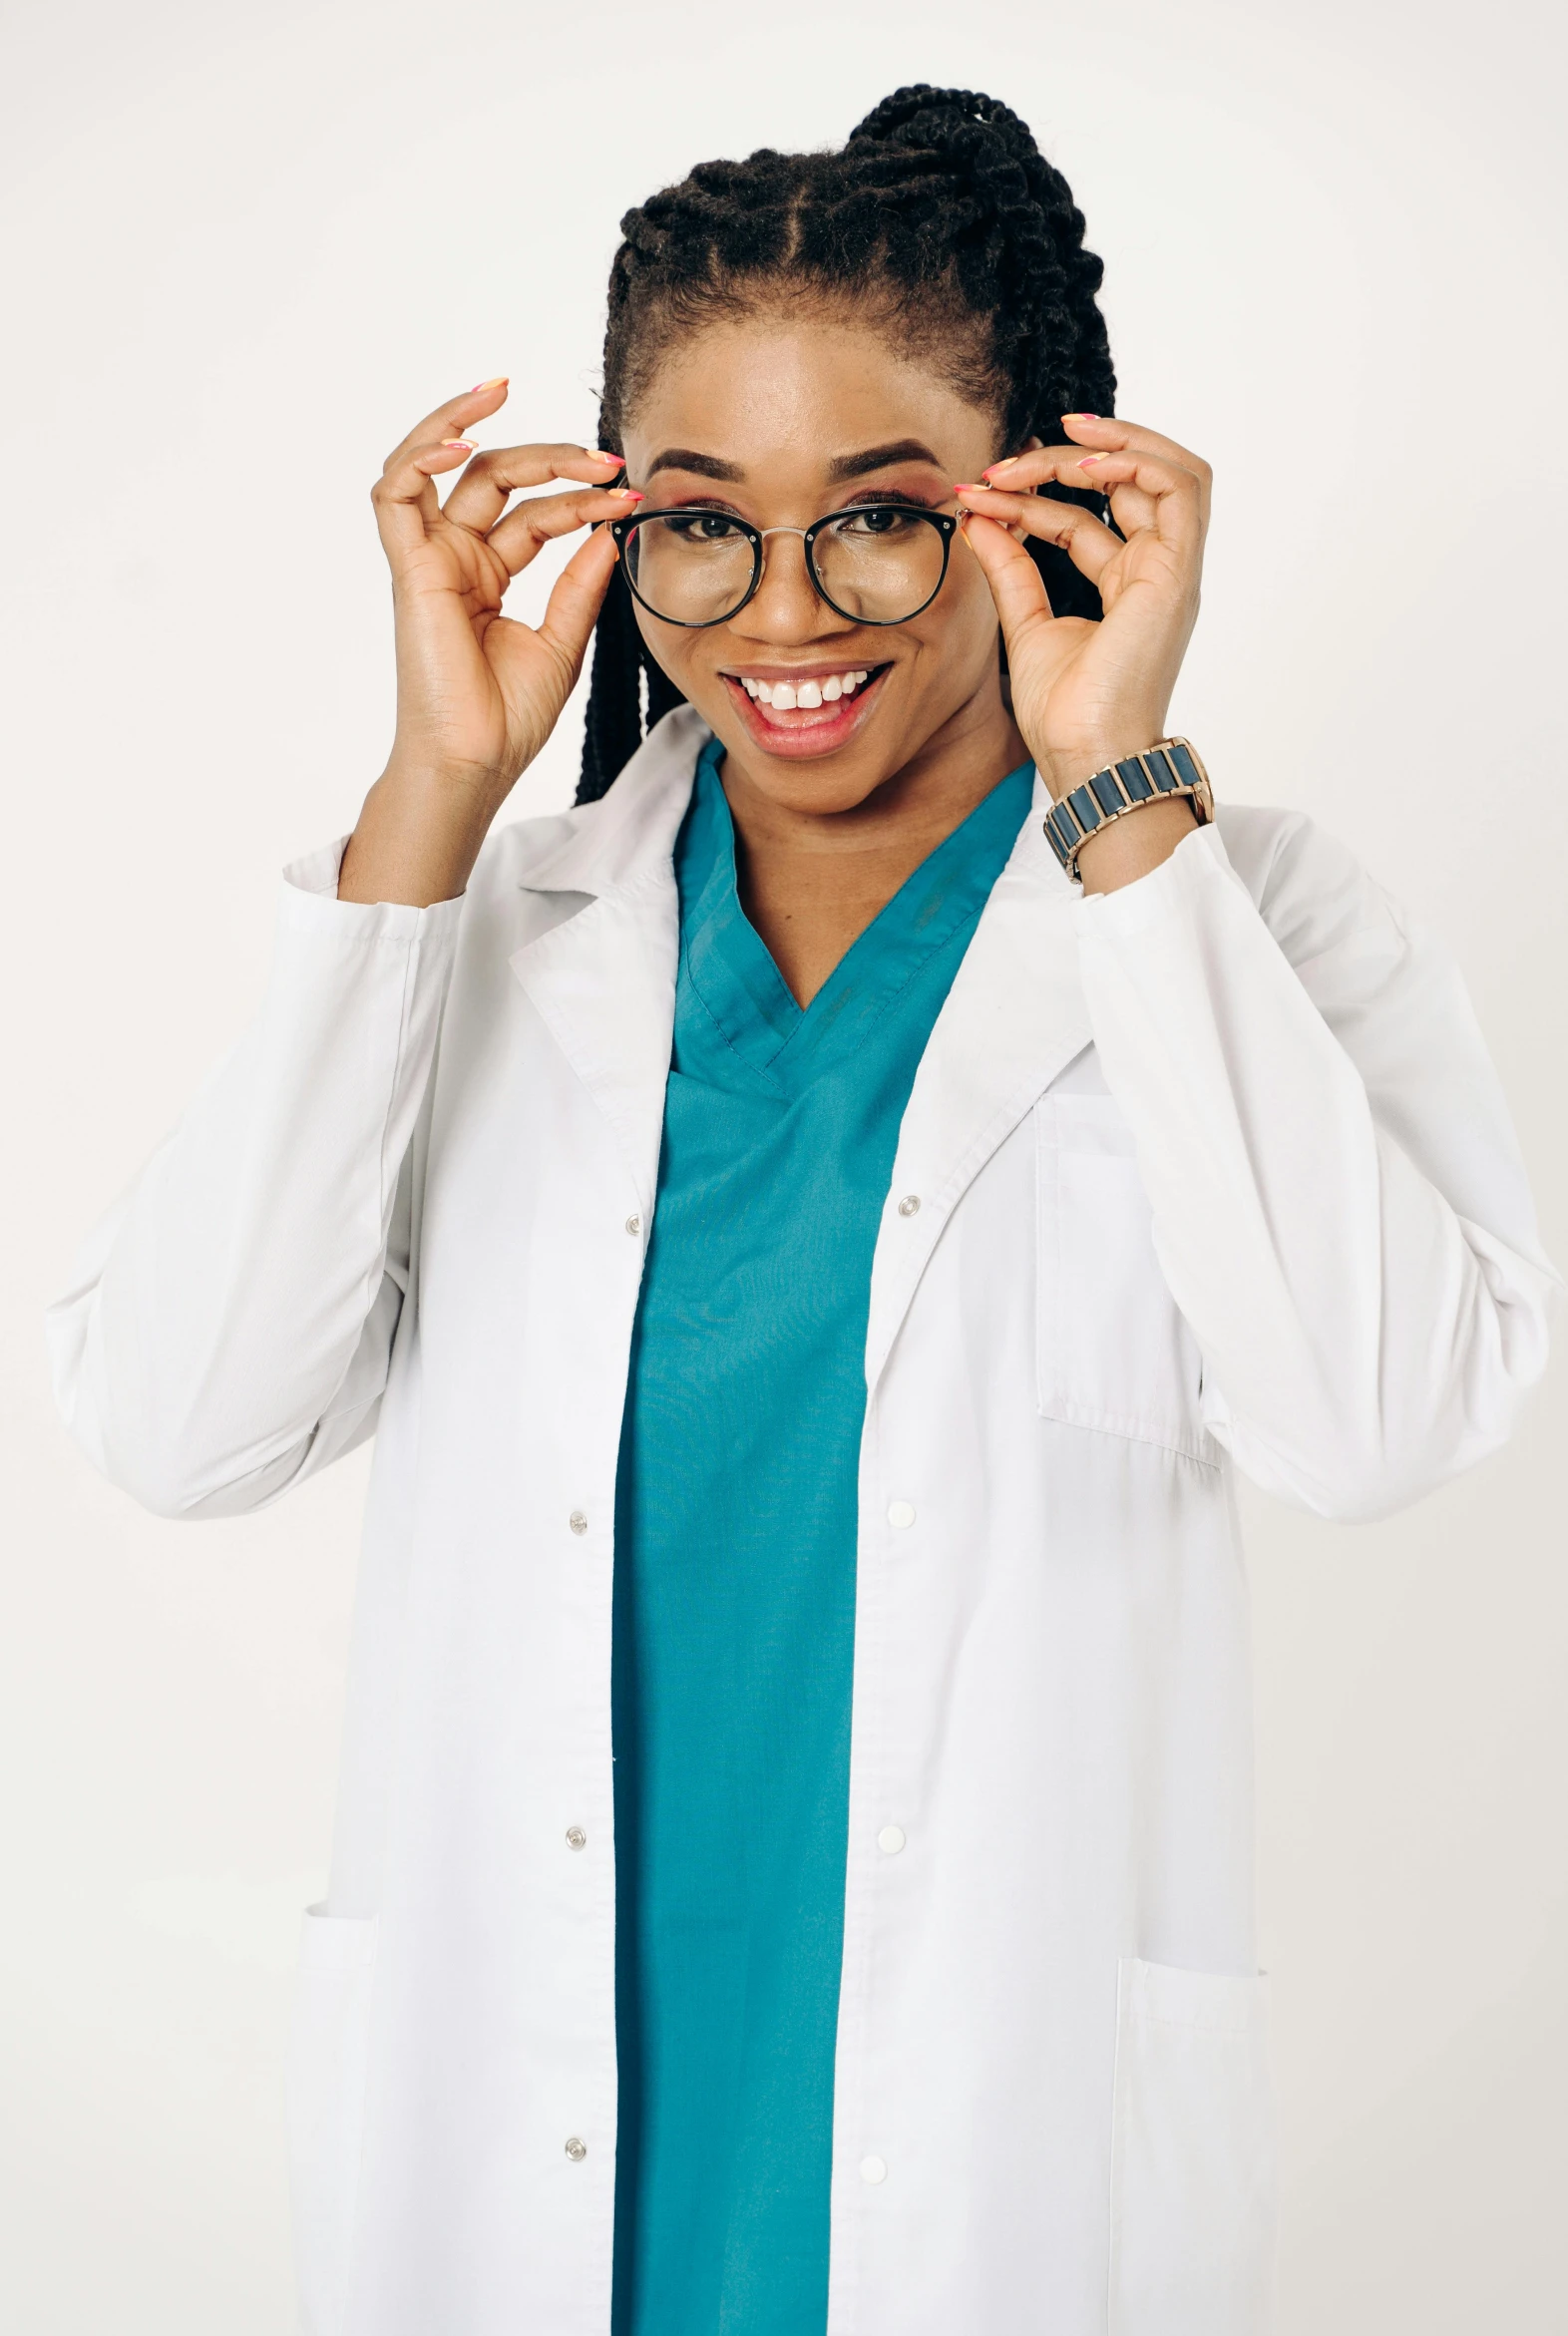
(734, 1584)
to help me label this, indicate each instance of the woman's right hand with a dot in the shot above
(478, 695)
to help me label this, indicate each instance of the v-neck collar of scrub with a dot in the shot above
(731, 971)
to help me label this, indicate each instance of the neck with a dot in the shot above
(811, 881)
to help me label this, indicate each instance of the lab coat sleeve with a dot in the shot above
(227, 1328)
(1339, 1203)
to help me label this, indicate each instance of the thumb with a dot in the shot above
(578, 596)
(1016, 583)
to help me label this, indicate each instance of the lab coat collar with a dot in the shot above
(597, 846)
(602, 974)
(603, 981)
(1014, 1019)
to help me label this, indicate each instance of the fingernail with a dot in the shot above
(1004, 465)
(1080, 417)
(966, 487)
(624, 493)
(601, 454)
(459, 445)
(495, 381)
(1087, 460)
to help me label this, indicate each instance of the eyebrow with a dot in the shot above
(880, 458)
(844, 466)
(706, 465)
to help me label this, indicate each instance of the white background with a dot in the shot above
(245, 248)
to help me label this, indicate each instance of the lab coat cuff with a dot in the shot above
(309, 904)
(1171, 891)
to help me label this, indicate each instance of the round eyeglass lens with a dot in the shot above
(694, 567)
(878, 563)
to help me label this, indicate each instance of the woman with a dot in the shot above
(810, 1241)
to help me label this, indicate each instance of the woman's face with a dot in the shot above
(781, 423)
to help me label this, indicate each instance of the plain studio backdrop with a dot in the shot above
(246, 249)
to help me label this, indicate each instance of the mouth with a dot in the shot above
(805, 710)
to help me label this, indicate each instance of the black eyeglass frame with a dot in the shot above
(945, 521)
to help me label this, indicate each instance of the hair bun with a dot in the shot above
(922, 116)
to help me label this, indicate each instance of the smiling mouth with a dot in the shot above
(818, 707)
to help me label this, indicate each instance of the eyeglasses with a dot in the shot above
(875, 563)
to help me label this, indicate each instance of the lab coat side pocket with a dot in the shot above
(1193, 2176)
(327, 2072)
(1112, 1352)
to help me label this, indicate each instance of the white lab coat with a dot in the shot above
(1213, 1170)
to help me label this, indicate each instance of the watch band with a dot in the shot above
(1168, 768)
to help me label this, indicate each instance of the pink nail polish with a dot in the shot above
(1080, 417)
(1087, 459)
(458, 445)
(495, 381)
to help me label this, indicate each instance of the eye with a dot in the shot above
(701, 527)
(879, 520)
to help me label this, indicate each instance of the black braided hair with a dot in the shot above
(940, 209)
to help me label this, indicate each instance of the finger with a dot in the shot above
(453, 420)
(1016, 583)
(1103, 433)
(404, 497)
(1089, 543)
(524, 533)
(479, 496)
(575, 602)
(1147, 491)
(1069, 466)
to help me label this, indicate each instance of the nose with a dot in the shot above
(786, 606)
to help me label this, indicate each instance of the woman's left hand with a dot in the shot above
(1084, 693)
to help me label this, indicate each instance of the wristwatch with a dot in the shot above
(1168, 768)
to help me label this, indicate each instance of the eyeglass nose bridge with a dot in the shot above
(805, 534)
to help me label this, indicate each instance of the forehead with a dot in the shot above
(757, 391)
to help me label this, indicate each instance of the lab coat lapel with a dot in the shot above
(1013, 1018)
(602, 976)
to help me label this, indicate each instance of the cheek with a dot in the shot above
(680, 654)
(961, 625)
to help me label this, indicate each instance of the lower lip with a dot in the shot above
(808, 730)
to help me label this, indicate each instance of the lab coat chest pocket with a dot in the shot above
(1193, 2179)
(1112, 1352)
(326, 2109)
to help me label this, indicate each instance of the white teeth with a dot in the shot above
(786, 695)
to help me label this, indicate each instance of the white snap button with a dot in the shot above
(890, 1841)
(577, 1521)
(575, 1837)
(634, 1224)
(576, 2151)
(908, 1206)
(873, 2169)
(901, 1513)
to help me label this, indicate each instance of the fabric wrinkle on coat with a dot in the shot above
(737, 1524)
